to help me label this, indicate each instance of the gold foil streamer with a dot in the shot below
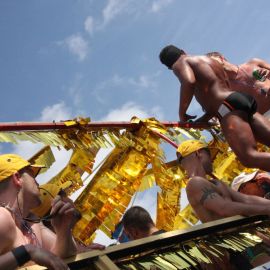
(43, 157)
(106, 197)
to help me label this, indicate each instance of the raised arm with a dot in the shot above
(185, 74)
(65, 217)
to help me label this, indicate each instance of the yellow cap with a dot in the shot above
(47, 193)
(11, 163)
(188, 147)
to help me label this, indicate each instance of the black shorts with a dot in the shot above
(238, 101)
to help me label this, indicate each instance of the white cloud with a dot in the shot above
(77, 45)
(56, 112)
(130, 109)
(126, 112)
(89, 25)
(159, 4)
(112, 9)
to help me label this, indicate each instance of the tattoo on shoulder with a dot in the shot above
(207, 193)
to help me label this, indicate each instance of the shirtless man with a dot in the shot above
(241, 79)
(26, 238)
(242, 126)
(213, 199)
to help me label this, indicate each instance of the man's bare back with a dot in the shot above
(211, 85)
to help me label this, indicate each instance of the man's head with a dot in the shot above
(169, 55)
(22, 174)
(217, 56)
(194, 155)
(137, 223)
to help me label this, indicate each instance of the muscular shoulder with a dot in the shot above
(196, 183)
(6, 219)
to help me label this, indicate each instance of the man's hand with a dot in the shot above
(45, 258)
(205, 118)
(94, 246)
(65, 214)
(264, 73)
(187, 117)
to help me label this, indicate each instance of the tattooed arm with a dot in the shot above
(204, 197)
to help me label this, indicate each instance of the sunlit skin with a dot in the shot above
(212, 200)
(241, 79)
(205, 79)
(20, 195)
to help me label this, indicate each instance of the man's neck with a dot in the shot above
(197, 171)
(14, 203)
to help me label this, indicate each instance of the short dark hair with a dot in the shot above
(169, 55)
(137, 217)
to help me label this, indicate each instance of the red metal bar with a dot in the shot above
(24, 126)
(165, 138)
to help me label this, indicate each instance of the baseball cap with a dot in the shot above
(47, 193)
(11, 163)
(188, 147)
(241, 179)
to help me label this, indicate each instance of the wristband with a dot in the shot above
(21, 255)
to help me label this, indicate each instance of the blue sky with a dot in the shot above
(99, 58)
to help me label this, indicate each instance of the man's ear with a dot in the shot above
(16, 180)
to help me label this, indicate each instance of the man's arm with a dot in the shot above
(61, 243)
(203, 193)
(248, 199)
(23, 254)
(187, 79)
(260, 62)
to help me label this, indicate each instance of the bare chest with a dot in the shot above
(27, 235)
